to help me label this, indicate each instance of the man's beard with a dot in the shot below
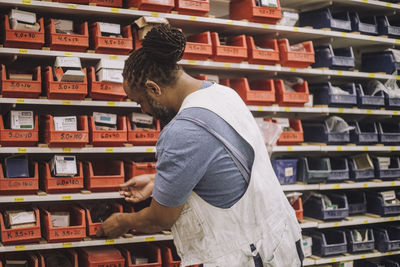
(160, 112)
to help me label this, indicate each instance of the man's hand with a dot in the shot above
(115, 226)
(138, 188)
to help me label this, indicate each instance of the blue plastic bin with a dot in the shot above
(376, 205)
(357, 202)
(285, 170)
(365, 25)
(392, 102)
(319, 132)
(337, 59)
(392, 173)
(327, 242)
(339, 170)
(382, 61)
(364, 133)
(387, 238)
(359, 175)
(356, 247)
(391, 262)
(314, 207)
(365, 263)
(324, 18)
(368, 101)
(389, 28)
(324, 95)
(313, 169)
(389, 133)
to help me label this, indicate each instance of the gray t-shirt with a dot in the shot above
(190, 159)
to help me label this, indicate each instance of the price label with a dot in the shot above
(68, 54)
(265, 26)
(395, 112)
(391, 219)
(192, 62)
(229, 22)
(333, 260)
(397, 41)
(109, 242)
(287, 109)
(20, 100)
(260, 67)
(66, 102)
(66, 197)
(368, 111)
(111, 103)
(22, 150)
(365, 185)
(150, 239)
(372, 38)
(296, 29)
(113, 57)
(289, 148)
(67, 245)
(227, 65)
(23, 51)
(392, 148)
(389, 4)
(339, 148)
(390, 253)
(149, 150)
(365, 222)
(336, 186)
(371, 75)
(66, 150)
(193, 18)
(114, 10)
(340, 72)
(392, 183)
(20, 248)
(71, 6)
(336, 224)
(260, 108)
(365, 148)
(365, 1)
(362, 256)
(26, 2)
(109, 150)
(154, 14)
(18, 199)
(293, 70)
(344, 34)
(341, 110)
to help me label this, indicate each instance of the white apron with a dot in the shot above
(262, 217)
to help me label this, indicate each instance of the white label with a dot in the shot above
(68, 123)
(22, 119)
(288, 172)
(110, 28)
(64, 166)
(105, 118)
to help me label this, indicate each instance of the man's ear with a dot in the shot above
(152, 88)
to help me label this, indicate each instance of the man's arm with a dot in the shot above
(149, 220)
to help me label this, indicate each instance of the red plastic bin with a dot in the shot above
(29, 256)
(293, 99)
(247, 9)
(67, 42)
(66, 138)
(111, 45)
(65, 90)
(296, 59)
(104, 175)
(93, 227)
(51, 184)
(20, 186)
(19, 137)
(151, 252)
(298, 208)
(201, 77)
(225, 82)
(82, 2)
(100, 256)
(133, 168)
(20, 88)
(198, 47)
(235, 51)
(291, 138)
(21, 235)
(21, 38)
(71, 254)
(192, 7)
(259, 92)
(164, 6)
(75, 232)
(105, 90)
(260, 56)
(109, 3)
(171, 258)
(143, 137)
(110, 138)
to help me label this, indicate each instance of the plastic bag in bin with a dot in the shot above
(270, 131)
(338, 125)
(291, 83)
(293, 196)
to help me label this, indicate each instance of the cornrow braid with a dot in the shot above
(157, 60)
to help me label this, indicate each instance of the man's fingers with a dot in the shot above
(127, 184)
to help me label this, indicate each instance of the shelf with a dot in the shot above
(349, 185)
(193, 23)
(59, 197)
(353, 220)
(308, 262)
(300, 187)
(85, 150)
(90, 243)
(355, 257)
(342, 148)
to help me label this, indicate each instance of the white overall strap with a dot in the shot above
(235, 154)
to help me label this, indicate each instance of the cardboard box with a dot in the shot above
(24, 225)
(17, 25)
(105, 118)
(141, 118)
(67, 123)
(106, 128)
(21, 120)
(145, 24)
(110, 75)
(17, 166)
(19, 217)
(363, 162)
(110, 64)
(110, 28)
(60, 218)
(141, 260)
(16, 263)
(22, 16)
(306, 243)
(20, 77)
(64, 26)
(63, 166)
(68, 62)
(73, 76)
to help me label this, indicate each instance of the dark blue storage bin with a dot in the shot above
(314, 207)
(327, 242)
(319, 132)
(389, 133)
(365, 25)
(313, 169)
(382, 61)
(392, 102)
(359, 175)
(367, 101)
(324, 95)
(391, 262)
(365, 263)
(339, 170)
(357, 202)
(356, 247)
(364, 133)
(337, 59)
(323, 18)
(285, 170)
(389, 28)
(387, 238)
(376, 205)
(392, 173)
